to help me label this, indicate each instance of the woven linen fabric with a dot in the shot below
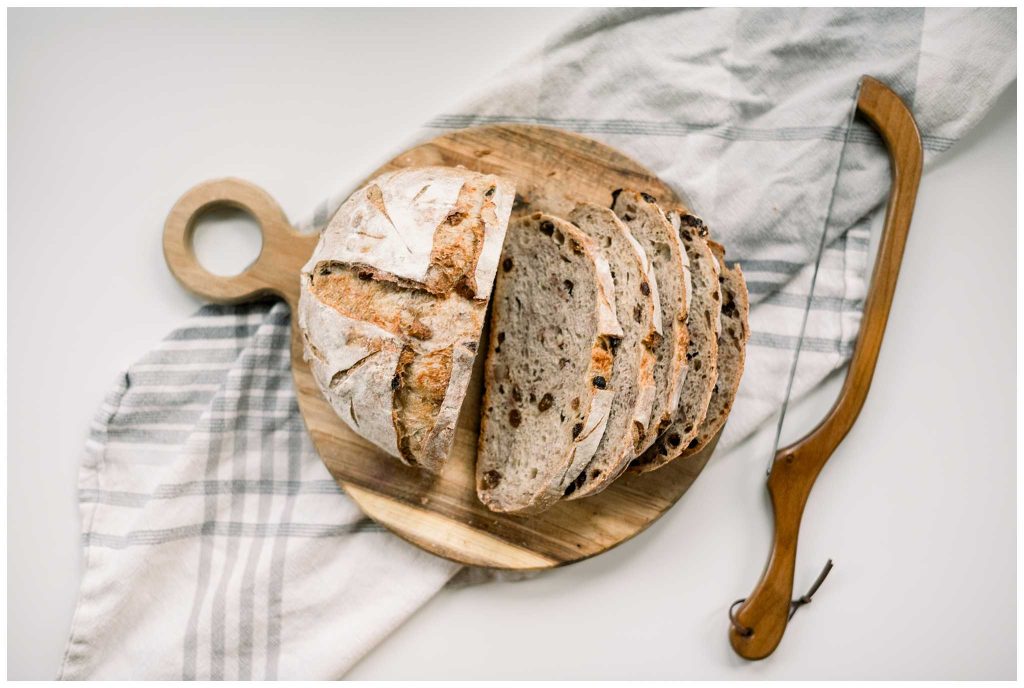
(216, 544)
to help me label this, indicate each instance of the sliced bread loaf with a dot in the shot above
(732, 349)
(549, 359)
(393, 300)
(647, 223)
(632, 380)
(704, 323)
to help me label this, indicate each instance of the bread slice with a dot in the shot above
(732, 349)
(704, 323)
(647, 223)
(392, 304)
(550, 357)
(632, 380)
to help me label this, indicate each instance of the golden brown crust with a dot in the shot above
(652, 229)
(736, 308)
(393, 300)
(354, 292)
(632, 380)
(398, 383)
(422, 382)
(682, 430)
(458, 241)
(376, 198)
(600, 358)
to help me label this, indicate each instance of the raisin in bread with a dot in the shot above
(704, 323)
(647, 223)
(393, 302)
(546, 396)
(632, 380)
(732, 348)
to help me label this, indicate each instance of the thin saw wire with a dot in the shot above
(814, 280)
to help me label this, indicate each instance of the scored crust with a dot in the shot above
(411, 226)
(393, 299)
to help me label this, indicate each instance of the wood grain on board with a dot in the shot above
(553, 170)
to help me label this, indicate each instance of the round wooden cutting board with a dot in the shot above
(553, 170)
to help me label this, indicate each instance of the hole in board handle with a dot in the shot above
(226, 240)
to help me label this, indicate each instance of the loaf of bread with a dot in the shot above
(617, 339)
(732, 348)
(549, 362)
(704, 324)
(632, 380)
(393, 301)
(647, 223)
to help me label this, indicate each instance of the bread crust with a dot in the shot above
(561, 463)
(393, 299)
(619, 444)
(732, 347)
(704, 314)
(395, 225)
(647, 221)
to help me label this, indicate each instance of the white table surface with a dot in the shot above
(113, 114)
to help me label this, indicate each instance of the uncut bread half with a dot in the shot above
(704, 324)
(647, 223)
(393, 301)
(550, 354)
(732, 349)
(632, 380)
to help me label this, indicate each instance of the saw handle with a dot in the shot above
(761, 620)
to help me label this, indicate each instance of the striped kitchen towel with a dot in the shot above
(216, 544)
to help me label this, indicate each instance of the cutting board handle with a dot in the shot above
(758, 626)
(274, 272)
